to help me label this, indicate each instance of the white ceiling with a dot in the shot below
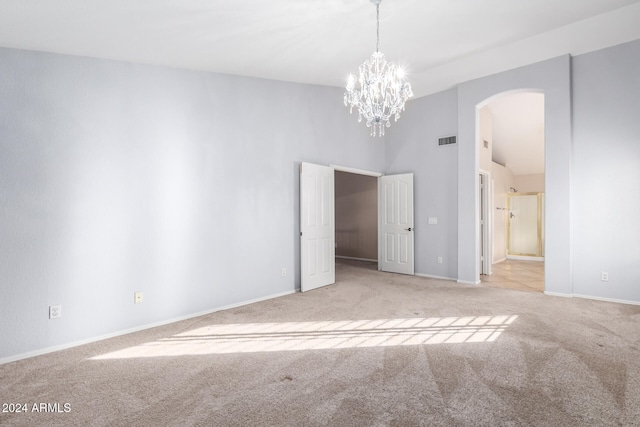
(439, 42)
(518, 132)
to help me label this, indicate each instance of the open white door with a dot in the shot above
(317, 226)
(395, 223)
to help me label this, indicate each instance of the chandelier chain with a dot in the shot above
(378, 27)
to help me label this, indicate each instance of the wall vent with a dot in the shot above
(447, 140)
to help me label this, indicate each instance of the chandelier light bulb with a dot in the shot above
(351, 82)
(382, 90)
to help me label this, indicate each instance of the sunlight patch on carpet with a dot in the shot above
(320, 335)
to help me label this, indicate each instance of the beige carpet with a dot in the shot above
(375, 349)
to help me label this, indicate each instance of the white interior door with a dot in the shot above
(317, 226)
(395, 223)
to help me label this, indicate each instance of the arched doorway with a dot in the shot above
(510, 141)
(552, 77)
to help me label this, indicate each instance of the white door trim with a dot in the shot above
(487, 238)
(356, 171)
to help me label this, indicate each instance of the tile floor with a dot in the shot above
(516, 274)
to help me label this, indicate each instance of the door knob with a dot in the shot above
(409, 229)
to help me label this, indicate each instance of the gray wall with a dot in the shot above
(592, 180)
(117, 178)
(412, 146)
(606, 172)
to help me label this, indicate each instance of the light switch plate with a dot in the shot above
(137, 297)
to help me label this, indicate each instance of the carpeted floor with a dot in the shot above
(375, 349)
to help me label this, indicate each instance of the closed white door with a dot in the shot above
(317, 226)
(395, 223)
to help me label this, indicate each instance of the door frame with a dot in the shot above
(356, 171)
(362, 172)
(485, 241)
(359, 172)
(556, 100)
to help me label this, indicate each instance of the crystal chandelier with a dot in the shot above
(382, 89)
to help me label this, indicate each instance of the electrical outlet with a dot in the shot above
(55, 311)
(137, 297)
(605, 276)
(439, 260)
(283, 272)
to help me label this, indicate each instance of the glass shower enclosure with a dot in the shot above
(526, 224)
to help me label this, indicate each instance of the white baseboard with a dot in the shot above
(499, 261)
(591, 297)
(468, 282)
(356, 259)
(557, 294)
(135, 329)
(619, 301)
(433, 276)
(526, 258)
